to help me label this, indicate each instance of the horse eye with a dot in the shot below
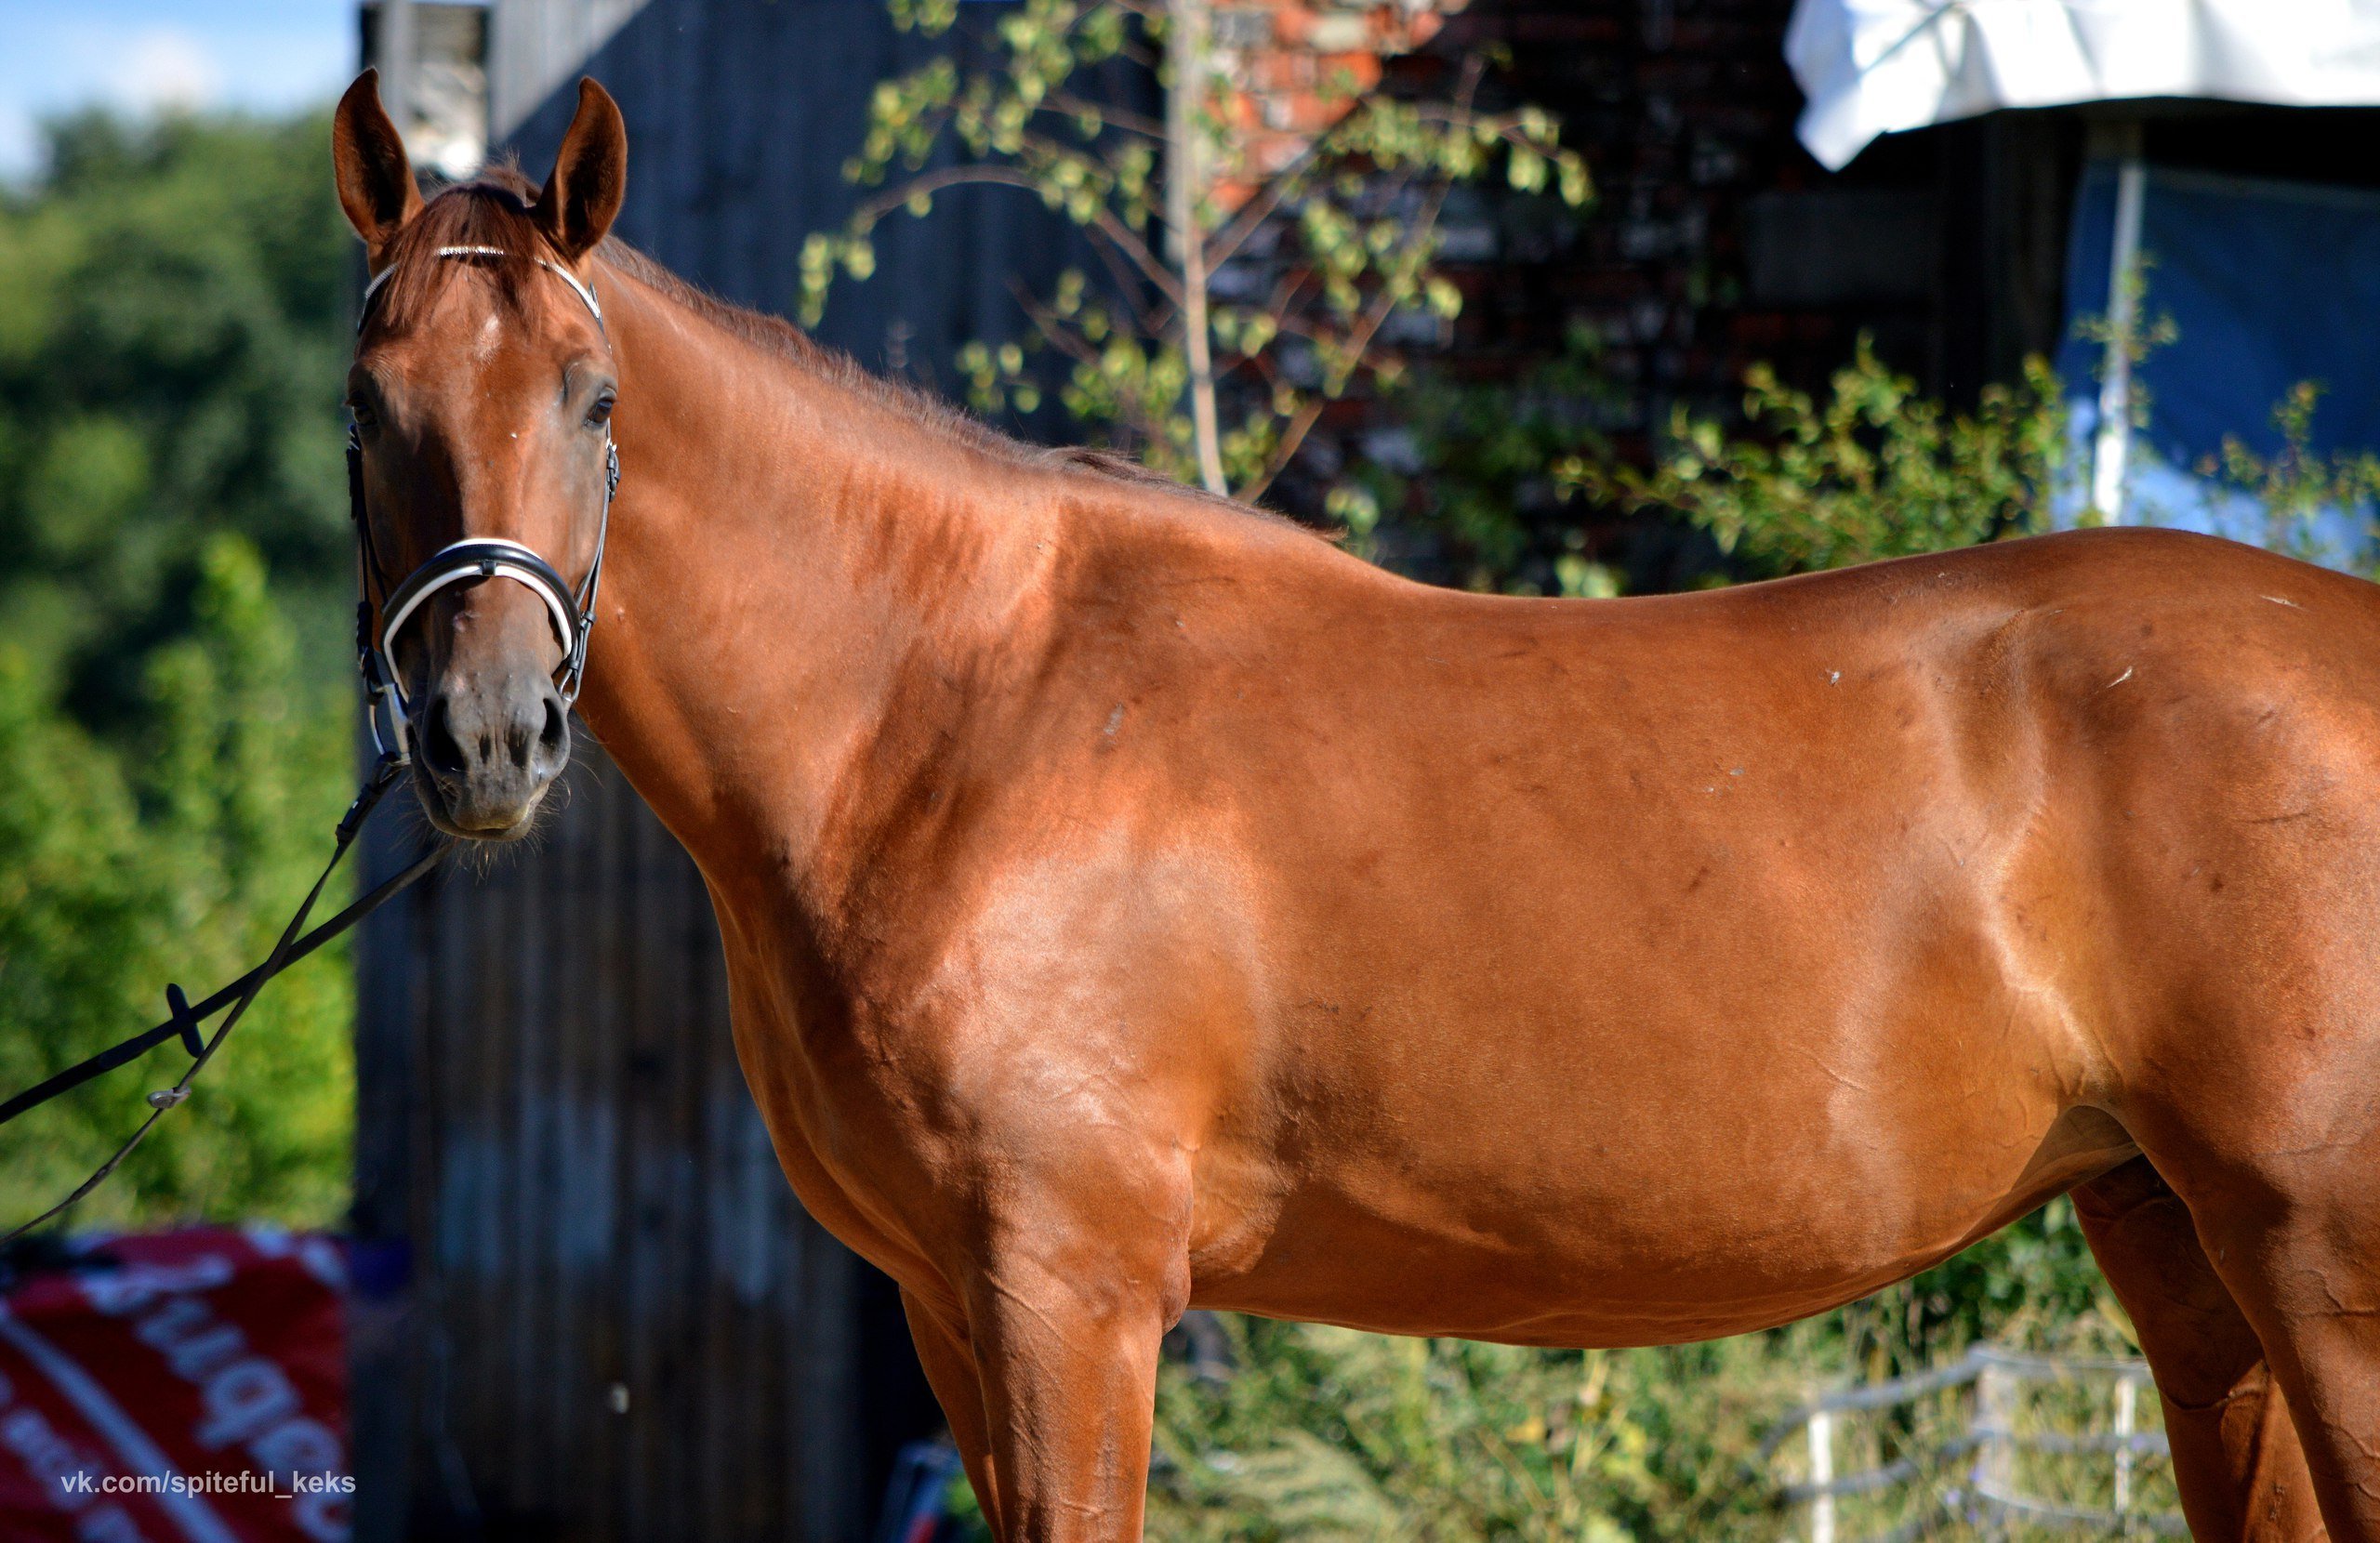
(599, 412)
(363, 414)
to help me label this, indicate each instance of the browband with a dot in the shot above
(557, 270)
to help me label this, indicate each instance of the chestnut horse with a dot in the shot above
(1134, 902)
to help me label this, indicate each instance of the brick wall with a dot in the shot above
(1294, 66)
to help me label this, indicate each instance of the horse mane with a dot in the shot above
(494, 210)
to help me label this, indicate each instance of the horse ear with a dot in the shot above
(590, 175)
(376, 184)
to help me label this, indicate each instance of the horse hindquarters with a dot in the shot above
(2236, 1459)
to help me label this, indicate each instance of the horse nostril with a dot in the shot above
(438, 747)
(553, 739)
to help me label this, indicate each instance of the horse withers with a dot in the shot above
(1134, 902)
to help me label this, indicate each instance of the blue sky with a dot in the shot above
(264, 55)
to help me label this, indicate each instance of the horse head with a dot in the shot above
(483, 391)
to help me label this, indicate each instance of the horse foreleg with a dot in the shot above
(1066, 1344)
(950, 1364)
(2237, 1460)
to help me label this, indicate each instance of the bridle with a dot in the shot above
(571, 612)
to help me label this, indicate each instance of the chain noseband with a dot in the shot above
(571, 612)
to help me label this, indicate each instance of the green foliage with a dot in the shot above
(173, 308)
(1327, 1433)
(1877, 472)
(2296, 485)
(1477, 487)
(176, 858)
(175, 731)
(2033, 1284)
(2127, 333)
(1320, 253)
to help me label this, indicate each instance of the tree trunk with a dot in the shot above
(1184, 181)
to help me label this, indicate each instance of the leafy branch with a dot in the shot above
(1877, 470)
(1236, 282)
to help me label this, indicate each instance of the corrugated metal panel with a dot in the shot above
(741, 114)
(555, 1126)
(551, 1116)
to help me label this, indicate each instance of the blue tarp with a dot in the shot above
(2268, 283)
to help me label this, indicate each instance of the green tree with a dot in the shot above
(1237, 298)
(1462, 489)
(2297, 485)
(176, 857)
(174, 309)
(175, 718)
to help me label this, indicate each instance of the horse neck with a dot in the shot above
(791, 557)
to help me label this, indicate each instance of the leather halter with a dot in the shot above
(467, 560)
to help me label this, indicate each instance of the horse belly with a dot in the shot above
(1688, 1124)
(1657, 1204)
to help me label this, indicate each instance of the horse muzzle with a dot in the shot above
(486, 748)
(486, 742)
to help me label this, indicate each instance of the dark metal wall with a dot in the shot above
(741, 114)
(590, 1306)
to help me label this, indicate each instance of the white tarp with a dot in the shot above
(1872, 67)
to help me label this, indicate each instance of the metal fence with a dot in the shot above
(1979, 1450)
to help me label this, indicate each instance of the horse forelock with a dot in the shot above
(492, 211)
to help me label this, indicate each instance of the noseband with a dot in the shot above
(464, 562)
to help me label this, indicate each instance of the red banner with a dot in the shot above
(188, 1385)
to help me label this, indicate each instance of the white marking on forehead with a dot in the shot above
(491, 333)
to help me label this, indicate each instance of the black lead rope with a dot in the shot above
(294, 944)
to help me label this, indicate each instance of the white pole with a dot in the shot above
(1185, 180)
(398, 52)
(1995, 1400)
(1821, 1473)
(2127, 1395)
(2114, 440)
